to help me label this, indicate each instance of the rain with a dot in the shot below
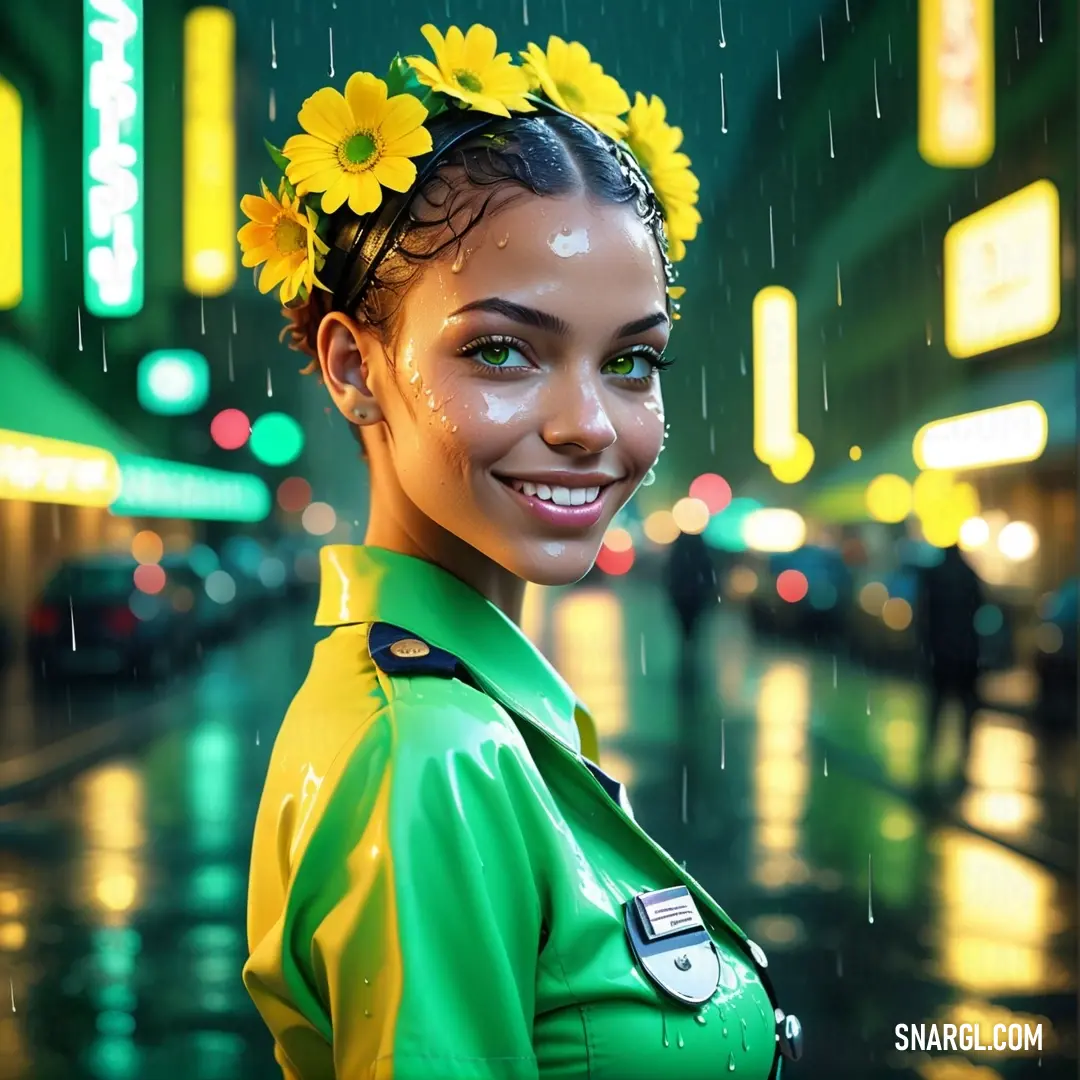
(825, 639)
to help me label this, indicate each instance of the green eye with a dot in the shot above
(621, 365)
(495, 355)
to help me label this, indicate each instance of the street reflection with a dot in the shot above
(781, 774)
(1004, 773)
(998, 912)
(112, 808)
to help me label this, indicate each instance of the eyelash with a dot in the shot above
(658, 360)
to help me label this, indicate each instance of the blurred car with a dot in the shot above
(1056, 658)
(819, 613)
(92, 620)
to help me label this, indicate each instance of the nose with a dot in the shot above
(575, 414)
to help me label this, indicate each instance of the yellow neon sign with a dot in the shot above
(1003, 436)
(11, 254)
(1003, 272)
(956, 82)
(209, 152)
(776, 398)
(36, 469)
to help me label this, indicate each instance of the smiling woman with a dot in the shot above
(448, 886)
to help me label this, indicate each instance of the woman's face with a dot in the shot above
(522, 404)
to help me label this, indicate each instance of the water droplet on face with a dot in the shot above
(459, 261)
(501, 243)
(567, 242)
(453, 429)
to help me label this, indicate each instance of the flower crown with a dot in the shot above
(359, 146)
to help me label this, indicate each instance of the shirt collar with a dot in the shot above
(363, 584)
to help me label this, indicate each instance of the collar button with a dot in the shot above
(410, 648)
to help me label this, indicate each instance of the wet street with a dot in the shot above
(786, 779)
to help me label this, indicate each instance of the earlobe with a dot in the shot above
(341, 345)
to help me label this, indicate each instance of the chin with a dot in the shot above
(553, 562)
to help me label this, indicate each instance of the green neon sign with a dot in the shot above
(152, 487)
(173, 382)
(113, 156)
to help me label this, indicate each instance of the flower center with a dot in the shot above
(570, 94)
(289, 235)
(359, 149)
(468, 81)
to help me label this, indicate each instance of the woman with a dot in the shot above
(442, 884)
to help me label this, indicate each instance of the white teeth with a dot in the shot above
(560, 496)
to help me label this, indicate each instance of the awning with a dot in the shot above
(35, 401)
(1052, 385)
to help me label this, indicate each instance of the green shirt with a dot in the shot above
(437, 877)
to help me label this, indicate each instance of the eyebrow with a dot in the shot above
(544, 320)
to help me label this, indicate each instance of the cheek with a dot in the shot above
(643, 427)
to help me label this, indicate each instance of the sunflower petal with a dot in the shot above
(326, 115)
(453, 54)
(411, 145)
(258, 255)
(396, 173)
(272, 274)
(254, 234)
(401, 115)
(258, 209)
(365, 194)
(366, 97)
(336, 193)
(480, 47)
(425, 70)
(435, 40)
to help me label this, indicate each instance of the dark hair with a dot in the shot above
(544, 154)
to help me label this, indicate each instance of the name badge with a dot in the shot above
(670, 943)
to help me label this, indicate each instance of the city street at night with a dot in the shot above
(787, 788)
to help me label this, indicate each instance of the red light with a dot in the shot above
(44, 620)
(294, 494)
(615, 562)
(792, 586)
(714, 491)
(120, 621)
(230, 429)
(150, 578)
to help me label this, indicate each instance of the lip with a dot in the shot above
(565, 517)
(563, 478)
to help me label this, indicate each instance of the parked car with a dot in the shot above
(91, 620)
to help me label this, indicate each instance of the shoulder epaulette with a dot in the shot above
(400, 652)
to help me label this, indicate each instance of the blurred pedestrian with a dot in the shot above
(691, 585)
(950, 596)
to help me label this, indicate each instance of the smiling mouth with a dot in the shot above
(556, 493)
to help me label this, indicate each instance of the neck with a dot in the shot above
(395, 523)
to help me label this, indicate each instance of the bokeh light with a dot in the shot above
(823, 595)
(888, 498)
(149, 578)
(204, 560)
(742, 581)
(276, 439)
(791, 585)
(690, 515)
(989, 619)
(896, 613)
(660, 527)
(272, 572)
(793, 469)
(147, 546)
(725, 530)
(319, 519)
(713, 490)
(774, 530)
(220, 587)
(615, 562)
(872, 597)
(230, 429)
(293, 494)
(143, 606)
(617, 540)
(1018, 541)
(1049, 638)
(183, 599)
(855, 453)
(974, 533)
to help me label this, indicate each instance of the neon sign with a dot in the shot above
(113, 152)
(776, 399)
(36, 469)
(1006, 435)
(151, 487)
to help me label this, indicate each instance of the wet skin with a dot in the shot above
(527, 355)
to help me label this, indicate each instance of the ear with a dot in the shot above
(345, 351)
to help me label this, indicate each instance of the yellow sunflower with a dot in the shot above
(574, 81)
(655, 144)
(357, 144)
(281, 233)
(467, 68)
